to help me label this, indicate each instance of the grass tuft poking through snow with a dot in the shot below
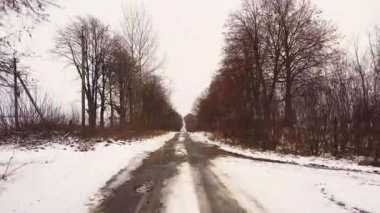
(59, 178)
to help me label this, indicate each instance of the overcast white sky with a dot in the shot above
(190, 35)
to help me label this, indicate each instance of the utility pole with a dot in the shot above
(15, 90)
(83, 80)
(31, 98)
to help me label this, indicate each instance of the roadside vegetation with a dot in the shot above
(285, 83)
(122, 93)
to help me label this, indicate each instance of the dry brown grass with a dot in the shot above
(120, 133)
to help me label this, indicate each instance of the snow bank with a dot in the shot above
(342, 164)
(59, 178)
(272, 187)
(180, 192)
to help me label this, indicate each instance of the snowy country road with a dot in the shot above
(175, 178)
(186, 175)
(179, 172)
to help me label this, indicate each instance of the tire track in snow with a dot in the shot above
(213, 196)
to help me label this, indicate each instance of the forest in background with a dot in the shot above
(285, 83)
(117, 71)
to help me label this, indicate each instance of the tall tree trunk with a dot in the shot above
(122, 105)
(130, 104)
(111, 100)
(289, 118)
(92, 116)
(102, 110)
(102, 98)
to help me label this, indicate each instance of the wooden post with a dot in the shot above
(15, 91)
(83, 80)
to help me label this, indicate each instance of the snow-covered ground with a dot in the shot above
(272, 187)
(262, 186)
(59, 178)
(180, 192)
(323, 162)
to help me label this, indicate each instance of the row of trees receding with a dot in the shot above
(118, 72)
(285, 83)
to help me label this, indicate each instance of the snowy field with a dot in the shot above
(261, 186)
(273, 187)
(59, 178)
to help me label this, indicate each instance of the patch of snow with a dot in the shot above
(272, 187)
(58, 178)
(180, 192)
(181, 138)
(144, 188)
(117, 180)
(183, 129)
(180, 149)
(341, 164)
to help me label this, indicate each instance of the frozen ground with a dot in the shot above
(59, 178)
(273, 187)
(180, 192)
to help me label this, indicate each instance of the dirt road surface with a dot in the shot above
(189, 176)
(143, 192)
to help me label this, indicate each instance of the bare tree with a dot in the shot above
(141, 44)
(123, 75)
(96, 52)
(29, 11)
(307, 45)
(140, 39)
(374, 49)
